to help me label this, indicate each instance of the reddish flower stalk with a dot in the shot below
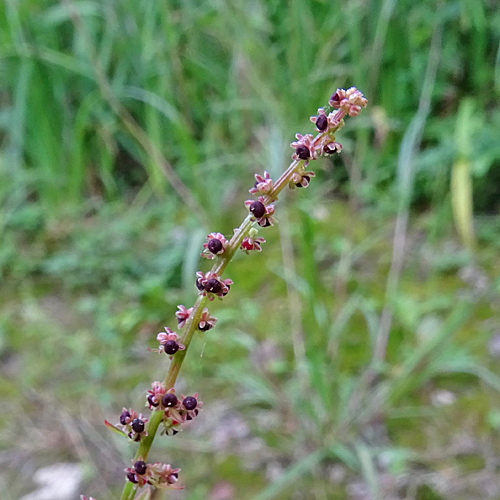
(167, 408)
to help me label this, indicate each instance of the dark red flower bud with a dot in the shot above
(307, 178)
(152, 401)
(131, 477)
(138, 425)
(200, 285)
(169, 400)
(321, 123)
(213, 286)
(258, 209)
(335, 97)
(205, 327)
(170, 347)
(303, 152)
(190, 403)
(214, 245)
(140, 467)
(331, 148)
(125, 414)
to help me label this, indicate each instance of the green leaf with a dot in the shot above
(114, 429)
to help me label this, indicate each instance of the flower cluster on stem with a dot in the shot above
(169, 410)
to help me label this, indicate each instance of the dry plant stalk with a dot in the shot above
(168, 409)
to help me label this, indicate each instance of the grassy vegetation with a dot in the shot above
(357, 356)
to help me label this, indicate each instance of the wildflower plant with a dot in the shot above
(169, 410)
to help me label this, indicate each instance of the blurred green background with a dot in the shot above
(357, 356)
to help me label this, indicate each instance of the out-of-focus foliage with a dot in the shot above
(204, 79)
(99, 99)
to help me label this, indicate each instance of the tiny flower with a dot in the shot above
(133, 423)
(215, 245)
(304, 147)
(190, 406)
(336, 98)
(168, 334)
(263, 185)
(251, 242)
(210, 284)
(152, 402)
(169, 343)
(164, 476)
(206, 321)
(172, 413)
(300, 179)
(170, 430)
(172, 421)
(139, 473)
(155, 394)
(332, 148)
(321, 120)
(200, 278)
(350, 101)
(182, 315)
(157, 474)
(125, 417)
(132, 477)
(261, 212)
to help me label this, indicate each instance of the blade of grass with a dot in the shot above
(292, 475)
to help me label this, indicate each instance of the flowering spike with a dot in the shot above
(170, 410)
